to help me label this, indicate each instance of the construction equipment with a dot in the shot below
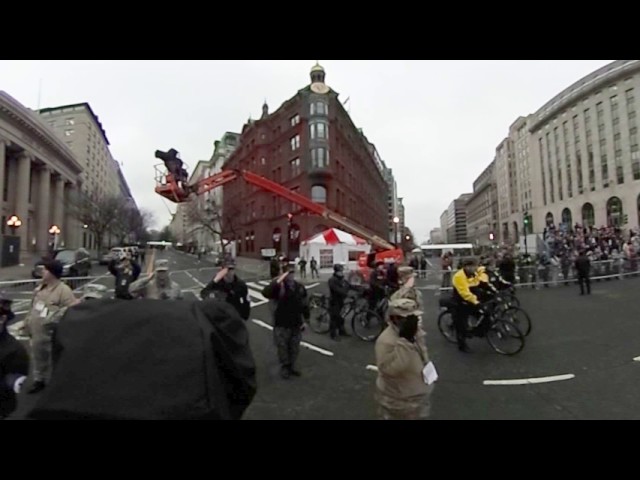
(176, 191)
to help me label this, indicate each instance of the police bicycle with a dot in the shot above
(366, 324)
(504, 336)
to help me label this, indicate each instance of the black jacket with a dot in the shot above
(14, 362)
(274, 268)
(508, 270)
(149, 360)
(291, 304)
(583, 266)
(123, 279)
(235, 294)
(338, 289)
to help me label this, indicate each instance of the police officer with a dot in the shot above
(158, 285)
(231, 288)
(338, 291)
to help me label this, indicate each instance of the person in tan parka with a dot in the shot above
(401, 356)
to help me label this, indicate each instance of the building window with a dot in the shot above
(319, 194)
(295, 120)
(318, 130)
(295, 142)
(295, 167)
(68, 133)
(319, 158)
(319, 108)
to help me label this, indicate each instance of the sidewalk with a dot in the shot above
(18, 272)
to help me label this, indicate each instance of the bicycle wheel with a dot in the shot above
(320, 320)
(367, 325)
(446, 326)
(505, 338)
(513, 300)
(519, 317)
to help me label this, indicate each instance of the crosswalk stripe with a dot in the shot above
(264, 283)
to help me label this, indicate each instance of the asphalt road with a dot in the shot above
(591, 341)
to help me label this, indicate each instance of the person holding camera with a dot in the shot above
(126, 271)
(403, 387)
(14, 361)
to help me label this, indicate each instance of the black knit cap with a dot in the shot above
(55, 267)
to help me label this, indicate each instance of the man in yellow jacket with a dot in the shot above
(467, 302)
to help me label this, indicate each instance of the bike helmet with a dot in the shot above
(338, 268)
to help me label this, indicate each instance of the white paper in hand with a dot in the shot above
(429, 374)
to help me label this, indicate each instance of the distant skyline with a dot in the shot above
(435, 123)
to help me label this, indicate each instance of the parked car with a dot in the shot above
(105, 258)
(75, 263)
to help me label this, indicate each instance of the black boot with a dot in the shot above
(343, 332)
(285, 372)
(334, 335)
(37, 386)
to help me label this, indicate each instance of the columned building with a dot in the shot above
(37, 172)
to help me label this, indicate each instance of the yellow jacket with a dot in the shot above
(462, 286)
(482, 274)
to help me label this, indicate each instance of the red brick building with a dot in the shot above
(311, 146)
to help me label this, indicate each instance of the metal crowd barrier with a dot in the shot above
(536, 276)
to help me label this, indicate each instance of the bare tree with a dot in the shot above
(99, 214)
(132, 223)
(208, 216)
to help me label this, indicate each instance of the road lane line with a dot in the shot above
(637, 359)
(195, 279)
(373, 368)
(303, 344)
(79, 289)
(313, 285)
(263, 283)
(529, 381)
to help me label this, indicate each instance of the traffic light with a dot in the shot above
(527, 223)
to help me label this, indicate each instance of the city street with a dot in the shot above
(582, 348)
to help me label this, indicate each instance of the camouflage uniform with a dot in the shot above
(287, 342)
(150, 287)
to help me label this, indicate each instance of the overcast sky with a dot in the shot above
(436, 123)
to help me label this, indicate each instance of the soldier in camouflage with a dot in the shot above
(402, 393)
(158, 285)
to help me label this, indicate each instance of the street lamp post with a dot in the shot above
(14, 222)
(396, 221)
(55, 231)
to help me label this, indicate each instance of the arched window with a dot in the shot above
(515, 230)
(549, 219)
(614, 212)
(319, 194)
(567, 218)
(588, 215)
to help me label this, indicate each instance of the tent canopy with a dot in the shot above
(333, 236)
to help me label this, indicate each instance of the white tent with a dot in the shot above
(334, 246)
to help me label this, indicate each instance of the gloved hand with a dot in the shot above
(409, 328)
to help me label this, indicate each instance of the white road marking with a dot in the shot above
(530, 381)
(263, 283)
(637, 359)
(195, 279)
(79, 289)
(313, 285)
(373, 368)
(262, 324)
(303, 344)
(317, 349)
